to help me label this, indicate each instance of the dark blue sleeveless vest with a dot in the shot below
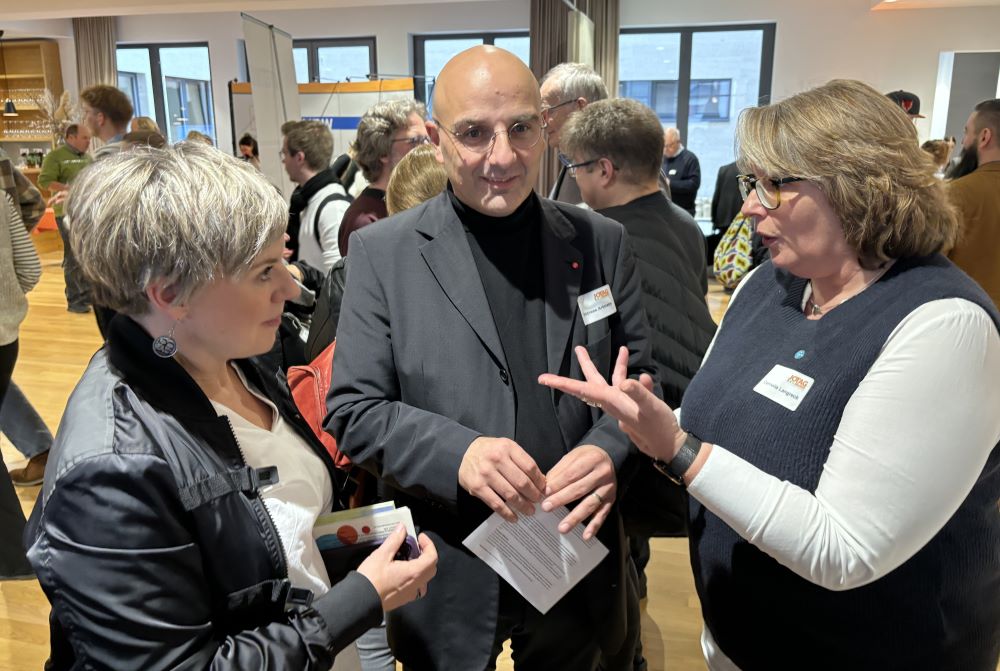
(940, 610)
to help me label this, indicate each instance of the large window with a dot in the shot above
(332, 60)
(172, 84)
(698, 79)
(431, 52)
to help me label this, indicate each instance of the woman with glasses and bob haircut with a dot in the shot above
(840, 441)
(175, 526)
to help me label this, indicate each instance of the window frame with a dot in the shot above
(684, 66)
(156, 74)
(312, 46)
(420, 41)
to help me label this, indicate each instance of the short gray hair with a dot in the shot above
(624, 131)
(187, 214)
(578, 81)
(378, 125)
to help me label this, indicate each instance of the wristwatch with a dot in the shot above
(681, 462)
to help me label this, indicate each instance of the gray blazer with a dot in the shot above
(420, 373)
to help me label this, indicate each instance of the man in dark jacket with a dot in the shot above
(681, 169)
(615, 147)
(451, 311)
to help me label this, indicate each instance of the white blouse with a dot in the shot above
(303, 492)
(912, 441)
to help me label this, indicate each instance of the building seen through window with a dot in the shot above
(171, 84)
(698, 79)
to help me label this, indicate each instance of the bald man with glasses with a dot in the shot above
(451, 312)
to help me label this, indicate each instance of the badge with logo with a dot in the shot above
(785, 386)
(596, 305)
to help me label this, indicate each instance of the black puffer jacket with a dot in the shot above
(664, 238)
(151, 539)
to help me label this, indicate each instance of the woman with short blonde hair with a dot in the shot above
(176, 529)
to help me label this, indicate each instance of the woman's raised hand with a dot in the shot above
(648, 421)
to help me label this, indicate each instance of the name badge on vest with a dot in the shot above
(596, 305)
(785, 386)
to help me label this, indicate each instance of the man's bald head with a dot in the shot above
(481, 71)
(483, 97)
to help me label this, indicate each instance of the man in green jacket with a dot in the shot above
(59, 168)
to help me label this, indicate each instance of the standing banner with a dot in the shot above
(275, 93)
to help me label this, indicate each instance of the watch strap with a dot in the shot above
(682, 461)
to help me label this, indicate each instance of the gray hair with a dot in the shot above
(187, 214)
(577, 81)
(624, 131)
(375, 131)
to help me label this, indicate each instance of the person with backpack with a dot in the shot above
(175, 527)
(319, 202)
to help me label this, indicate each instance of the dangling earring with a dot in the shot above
(165, 346)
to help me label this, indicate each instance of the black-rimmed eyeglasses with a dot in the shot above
(521, 135)
(768, 190)
(547, 109)
(571, 167)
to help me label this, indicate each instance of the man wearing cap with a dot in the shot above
(977, 197)
(452, 310)
(909, 102)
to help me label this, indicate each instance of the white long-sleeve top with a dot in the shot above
(912, 441)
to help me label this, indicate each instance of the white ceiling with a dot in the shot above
(20, 10)
(878, 5)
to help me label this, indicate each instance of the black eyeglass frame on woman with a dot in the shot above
(749, 183)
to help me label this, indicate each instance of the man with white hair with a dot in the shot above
(565, 89)
(681, 169)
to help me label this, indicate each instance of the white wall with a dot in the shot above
(392, 27)
(818, 40)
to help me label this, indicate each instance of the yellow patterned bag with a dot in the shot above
(733, 258)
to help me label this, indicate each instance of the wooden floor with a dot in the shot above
(55, 348)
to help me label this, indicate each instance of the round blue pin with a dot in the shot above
(801, 353)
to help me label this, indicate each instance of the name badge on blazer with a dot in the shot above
(785, 386)
(596, 305)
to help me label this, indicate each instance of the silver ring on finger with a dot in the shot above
(593, 404)
(599, 497)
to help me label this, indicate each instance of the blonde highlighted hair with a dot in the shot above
(187, 214)
(861, 150)
(419, 176)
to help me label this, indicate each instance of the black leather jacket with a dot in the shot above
(150, 538)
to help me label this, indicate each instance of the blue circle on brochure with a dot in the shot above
(801, 353)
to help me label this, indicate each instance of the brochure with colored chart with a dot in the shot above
(345, 538)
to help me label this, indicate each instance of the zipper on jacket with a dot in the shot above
(283, 559)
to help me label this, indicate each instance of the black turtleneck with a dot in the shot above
(508, 253)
